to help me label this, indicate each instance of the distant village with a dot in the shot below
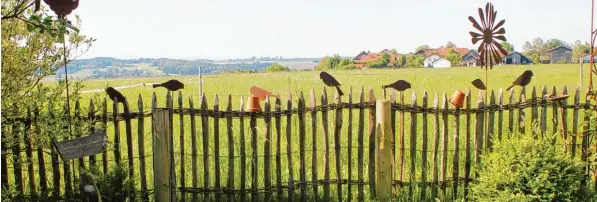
(438, 57)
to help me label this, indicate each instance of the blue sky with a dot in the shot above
(219, 29)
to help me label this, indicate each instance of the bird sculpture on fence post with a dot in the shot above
(114, 95)
(171, 85)
(522, 80)
(400, 86)
(330, 81)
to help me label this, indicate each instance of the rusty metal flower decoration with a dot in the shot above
(490, 32)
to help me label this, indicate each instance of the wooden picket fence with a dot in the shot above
(428, 159)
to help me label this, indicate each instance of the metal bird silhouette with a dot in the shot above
(522, 80)
(479, 84)
(171, 85)
(261, 93)
(115, 95)
(330, 81)
(400, 85)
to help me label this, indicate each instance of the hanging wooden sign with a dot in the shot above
(82, 146)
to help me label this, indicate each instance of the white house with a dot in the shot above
(436, 61)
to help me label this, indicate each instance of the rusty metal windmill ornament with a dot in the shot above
(489, 49)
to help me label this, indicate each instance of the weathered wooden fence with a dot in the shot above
(288, 152)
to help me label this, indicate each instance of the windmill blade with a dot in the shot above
(476, 35)
(501, 37)
(493, 17)
(499, 24)
(475, 40)
(500, 48)
(487, 15)
(500, 31)
(481, 48)
(475, 23)
(482, 17)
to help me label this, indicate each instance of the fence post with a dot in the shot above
(384, 152)
(161, 155)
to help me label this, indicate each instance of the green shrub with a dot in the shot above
(276, 68)
(115, 186)
(525, 169)
(348, 67)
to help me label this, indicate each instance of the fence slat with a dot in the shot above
(181, 145)
(314, 129)
(467, 141)
(434, 168)
(424, 151)
(587, 112)
(116, 141)
(267, 173)
(17, 162)
(490, 123)
(326, 146)
(372, 145)
(229, 129)
(105, 124)
(456, 154)
(575, 120)
(479, 127)
(29, 154)
(129, 140)
(170, 106)
(401, 139)
(91, 116)
(78, 132)
(41, 163)
(303, 164)
(360, 145)
(68, 170)
(218, 171)
(278, 126)
(543, 118)
(205, 134)
(141, 143)
(194, 148)
(511, 114)
(337, 131)
(413, 141)
(564, 117)
(5, 162)
(534, 112)
(349, 155)
(242, 150)
(555, 115)
(445, 131)
(500, 114)
(289, 149)
(393, 140)
(254, 160)
(521, 111)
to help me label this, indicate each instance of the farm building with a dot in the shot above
(586, 59)
(443, 52)
(560, 54)
(436, 61)
(365, 57)
(470, 59)
(516, 58)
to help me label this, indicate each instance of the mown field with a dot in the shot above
(430, 80)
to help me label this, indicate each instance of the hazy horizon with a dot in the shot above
(230, 29)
